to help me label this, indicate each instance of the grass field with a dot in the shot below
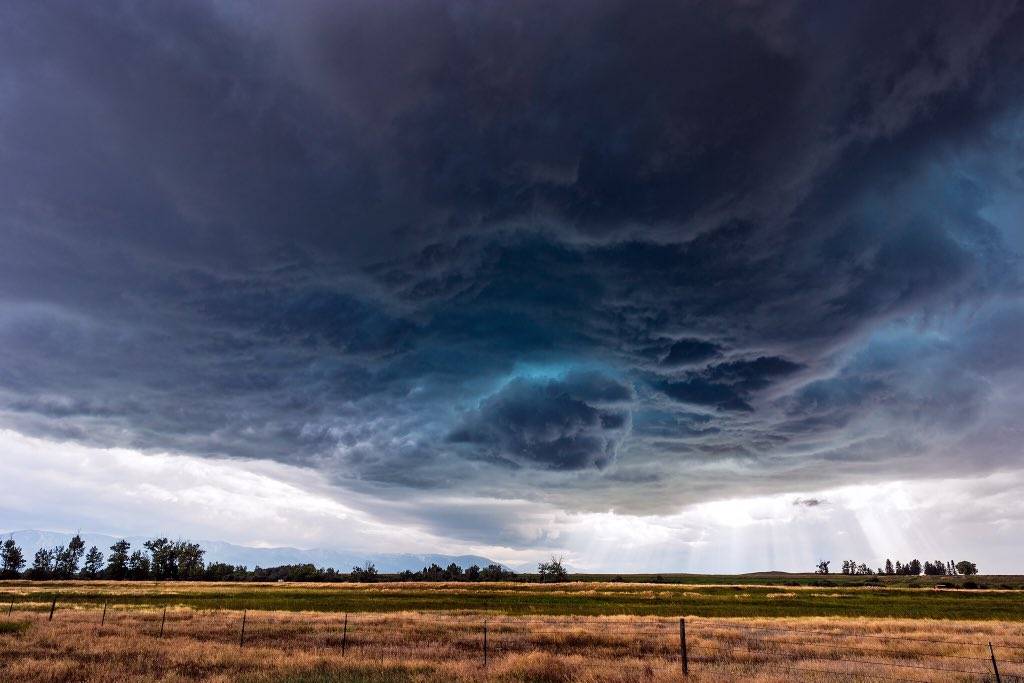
(580, 598)
(301, 647)
(1001, 581)
(585, 632)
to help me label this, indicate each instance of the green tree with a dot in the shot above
(11, 560)
(189, 560)
(67, 558)
(966, 568)
(93, 563)
(493, 572)
(552, 571)
(823, 567)
(117, 561)
(42, 565)
(364, 574)
(138, 566)
(888, 567)
(163, 559)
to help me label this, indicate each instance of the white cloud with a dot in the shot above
(932, 519)
(67, 486)
(63, 486)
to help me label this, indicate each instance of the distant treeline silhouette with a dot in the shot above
(164, 560)
(912, 568)
(161, 559)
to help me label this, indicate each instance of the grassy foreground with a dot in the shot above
(578, 598)
(304, 647)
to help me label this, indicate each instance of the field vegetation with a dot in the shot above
(1000, 581)
(512, 598)
(305, 647)
(63, 631)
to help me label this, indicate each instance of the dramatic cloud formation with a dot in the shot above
(551, 424)
(586, 255)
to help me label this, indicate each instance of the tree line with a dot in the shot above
(165, 560)
(912, 568)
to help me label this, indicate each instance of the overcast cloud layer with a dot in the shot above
(590, 255)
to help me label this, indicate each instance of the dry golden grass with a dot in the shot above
(306, 647)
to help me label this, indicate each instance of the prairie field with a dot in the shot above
(586, 632)
(514, 598)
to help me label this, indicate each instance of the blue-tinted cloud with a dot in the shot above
(566, 424)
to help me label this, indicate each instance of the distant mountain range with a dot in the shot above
(219, 551)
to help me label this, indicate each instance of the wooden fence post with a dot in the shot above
(485, 644)
(344, 635)
(683, 655)
(995, 667)
(103, 619)
(53, 606)
(241, 635)
(163, 620)
(10, 609)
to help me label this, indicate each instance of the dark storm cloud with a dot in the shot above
(690, 351)
(558, 424)
(604, 254)
(727, 385)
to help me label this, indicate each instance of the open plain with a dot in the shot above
(580, 631)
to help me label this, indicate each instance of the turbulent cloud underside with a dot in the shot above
(595, 254)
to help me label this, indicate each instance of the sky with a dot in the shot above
(652, 286)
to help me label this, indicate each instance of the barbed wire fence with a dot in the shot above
(693, 645)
